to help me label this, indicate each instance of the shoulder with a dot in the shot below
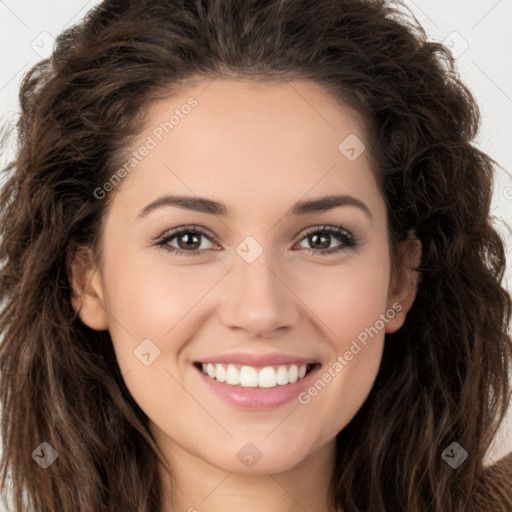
(495, 487)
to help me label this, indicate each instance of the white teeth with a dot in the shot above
(220, 373)
(250, 377)
(267, 377)
(232, 375)
(282, 376)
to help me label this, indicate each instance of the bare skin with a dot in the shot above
(259, 149)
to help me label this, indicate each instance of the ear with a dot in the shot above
(404, 282)
(87, 288)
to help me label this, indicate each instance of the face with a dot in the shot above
(281, 298)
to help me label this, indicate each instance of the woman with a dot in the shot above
(173, 337)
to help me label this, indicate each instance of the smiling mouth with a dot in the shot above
(245, 376)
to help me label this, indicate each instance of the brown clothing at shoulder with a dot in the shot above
(494, 492)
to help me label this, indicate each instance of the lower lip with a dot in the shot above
(258, 398)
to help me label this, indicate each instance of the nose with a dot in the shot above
(258, 298)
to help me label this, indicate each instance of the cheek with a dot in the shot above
(350, 304)
(347, 299)
(154, 300)
(153, 303)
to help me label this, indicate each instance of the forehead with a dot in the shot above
(257, 143)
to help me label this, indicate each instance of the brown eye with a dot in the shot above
(320, 240)
(187, 241)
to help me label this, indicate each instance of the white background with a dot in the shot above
(477, 31)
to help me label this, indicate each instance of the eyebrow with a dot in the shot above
(204, 205)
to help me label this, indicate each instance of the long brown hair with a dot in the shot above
(443, 376)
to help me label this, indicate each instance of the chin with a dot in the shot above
(258, 455)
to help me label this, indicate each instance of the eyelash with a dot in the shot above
(348, 240)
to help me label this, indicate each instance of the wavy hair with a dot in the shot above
(444, 374)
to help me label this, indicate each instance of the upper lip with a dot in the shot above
(258, 360)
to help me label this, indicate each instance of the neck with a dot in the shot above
(198, 486)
